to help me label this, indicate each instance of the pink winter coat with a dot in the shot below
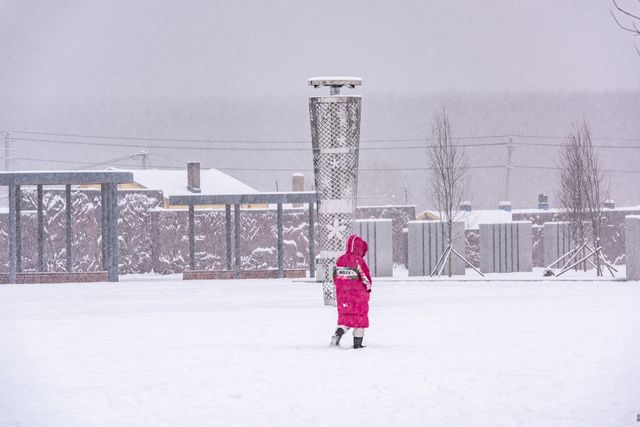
(353, 285)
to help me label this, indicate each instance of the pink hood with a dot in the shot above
(357, 246)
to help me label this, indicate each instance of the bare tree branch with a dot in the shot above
(633, 28)
(626, 12)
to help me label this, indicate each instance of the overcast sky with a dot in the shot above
(152, 48)
(237, 70)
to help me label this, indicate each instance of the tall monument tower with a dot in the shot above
(335, 138)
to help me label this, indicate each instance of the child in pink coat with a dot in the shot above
(353, 286)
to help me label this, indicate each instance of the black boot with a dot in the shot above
(335, 339)
(357, 342)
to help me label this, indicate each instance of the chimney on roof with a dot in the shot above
(465, 206)
(504, 206)
(193, 177)
(297, 184)
(543, 201)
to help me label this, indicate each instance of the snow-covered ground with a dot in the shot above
(153, 352)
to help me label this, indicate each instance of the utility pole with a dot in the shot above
(406, 194)
(7, 151)
(4, 193)
(510, 148)
(143, 156)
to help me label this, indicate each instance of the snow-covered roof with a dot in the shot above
(494, 216)
(558, 210)
(479, 216)
(173, 182)
(536, 210)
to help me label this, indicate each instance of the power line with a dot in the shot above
(230, 140)
(419, 169)
(558, 168)
(294, 141)
(563, 137)
(136, 138)
(308, 169)
(199, 148)
(307, 149)
(542, 144)
(72, 162)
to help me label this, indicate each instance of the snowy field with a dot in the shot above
(151, 352)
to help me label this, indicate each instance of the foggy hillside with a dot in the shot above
(264, 140)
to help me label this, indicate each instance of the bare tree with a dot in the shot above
(571, 193)
(449, 183)
(581, 193)
(631, 19)
(595, 193)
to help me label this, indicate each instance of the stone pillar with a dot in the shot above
(506, 248)
(556, 243)
(427, 241)
(378, 235)
(632, 246)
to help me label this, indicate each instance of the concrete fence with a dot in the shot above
(427, 241)
(378, 235)
(506, 247)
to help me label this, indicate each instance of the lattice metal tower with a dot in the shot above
(335, 138)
